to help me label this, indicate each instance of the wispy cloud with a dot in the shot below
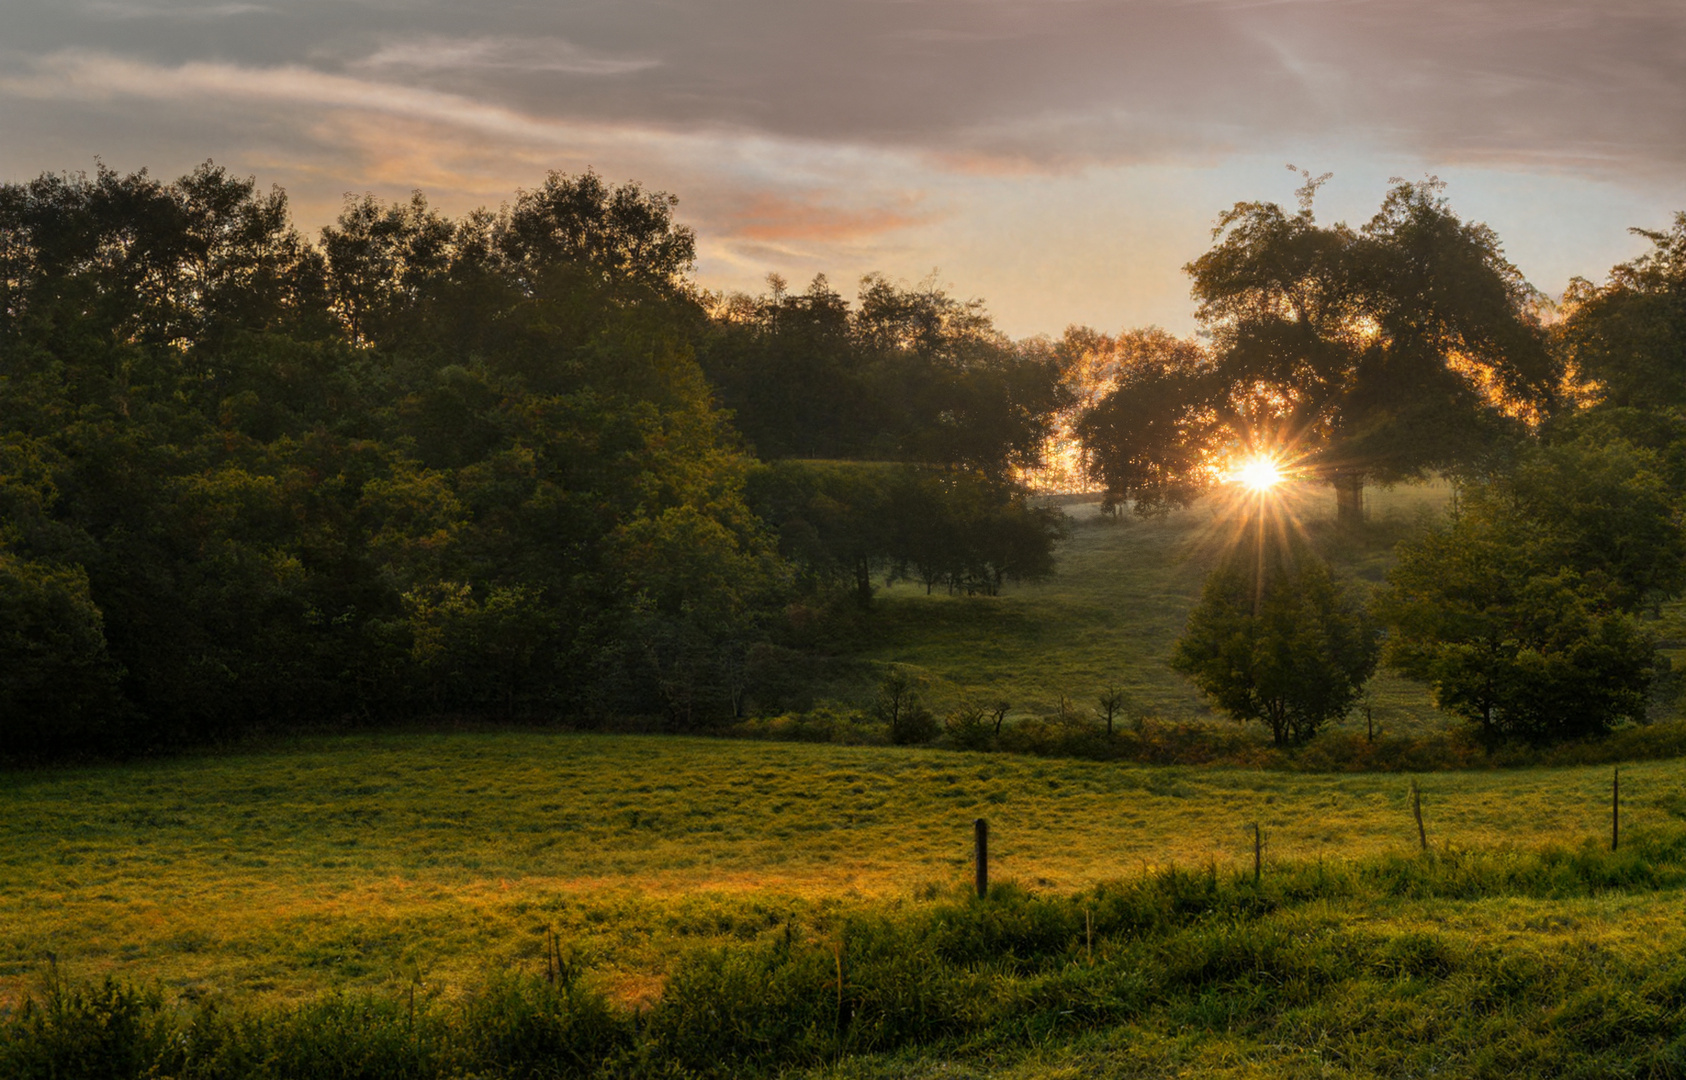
(93, 76)
(814, 216)
(115, 9)
(544, 54)
(747, 187)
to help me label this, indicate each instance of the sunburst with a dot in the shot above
(1258, 474)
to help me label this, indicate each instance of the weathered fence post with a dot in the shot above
(1615, 808)
(980, 850)
(1258, 849)
(1417, 812)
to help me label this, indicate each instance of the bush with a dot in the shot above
(968, 728)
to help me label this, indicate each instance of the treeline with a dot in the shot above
(906, 374)
(435, 465)
(517, 463)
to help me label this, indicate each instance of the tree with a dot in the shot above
(1279, 642)
(1604, 508)
(1510, 638)
(899, 709)
(623, 236)
(1112, 702)
(1150, 436)
(908, 374)
(245, 480)
(58, 685)
(1627, 337)
(1373, 354)
(842, 523)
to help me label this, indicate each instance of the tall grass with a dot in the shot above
(1280, 968)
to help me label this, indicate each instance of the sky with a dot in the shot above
(1060, 159)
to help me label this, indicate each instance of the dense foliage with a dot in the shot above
(424, 465)
(1625, 336)
(1522, 613)
(908, 374)
(848, 524)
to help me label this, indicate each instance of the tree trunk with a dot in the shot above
(863, 583)
(1349, 499)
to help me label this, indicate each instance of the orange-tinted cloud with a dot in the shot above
(769, 216)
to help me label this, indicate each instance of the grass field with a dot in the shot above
(1120, 597)
(706, 887)
(386, 861)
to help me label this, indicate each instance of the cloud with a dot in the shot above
(810, 216)
(90, 76)
(518, 54)
(113, 9)
(382, 133)
(1022, 84)
(998, 136)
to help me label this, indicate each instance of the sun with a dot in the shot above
(1258, 474)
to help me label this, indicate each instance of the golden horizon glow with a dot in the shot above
(1258, 474)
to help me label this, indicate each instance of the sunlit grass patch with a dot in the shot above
(1566, 960)
(383, 861)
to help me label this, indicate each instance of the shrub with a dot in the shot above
(899, 709)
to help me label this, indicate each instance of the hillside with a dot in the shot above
(1119, 597)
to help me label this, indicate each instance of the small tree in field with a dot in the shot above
(899, 709)
(1281, 643)
(1111, 704)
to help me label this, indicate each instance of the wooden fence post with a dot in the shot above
(1615, 808)
(1417, 812)
(980, 851)
(1258, 848)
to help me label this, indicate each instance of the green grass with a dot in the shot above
(1564, 962)
(1118, 601)
(379, 862)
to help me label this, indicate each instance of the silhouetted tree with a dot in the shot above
(1379, 353)
(1628, 336)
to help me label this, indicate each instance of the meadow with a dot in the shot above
(527, 903)
(1121, 595)
(389, 861)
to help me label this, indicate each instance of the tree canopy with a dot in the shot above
(437, 465)
(1372, 354)
(1627, 337)
(905, 374)
(426, 465)
(1510, 638)
(1275, 639)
